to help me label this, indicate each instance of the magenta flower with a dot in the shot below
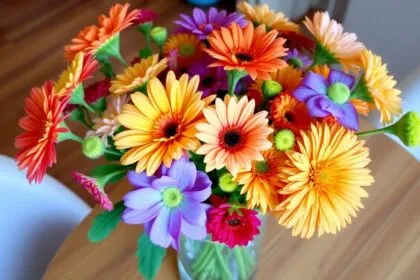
(169, 203)
(95, 188)
(202, 24)
(145, 15)
(331, 96)
(297, 59)
(211, 79)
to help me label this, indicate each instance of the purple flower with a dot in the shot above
(169, 203)
(211, 79)
(297, 59)
(202, 24)
(325, 97)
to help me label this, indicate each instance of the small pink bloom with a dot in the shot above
(94, 188)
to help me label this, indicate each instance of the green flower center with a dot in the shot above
(93, 147)
(271, 88)
(186, 49)
(172, 197)
(295, 62)
(261, 166)
(339, 93)
(284, 140)
(226, 183)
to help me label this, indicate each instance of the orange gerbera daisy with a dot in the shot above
(343, 46)
(136, 76)
(286, 112)
(263, 181)
(261, 14)
(362, 107)
(288, 77)
(80, 69)
(381, 86)
(92, 37)
(255, 51)
(324, 181)
(42, 125)
(161, 125)
(233, 136)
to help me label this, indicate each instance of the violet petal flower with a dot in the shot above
(325, 97)
(297, 59)
(169, 203)
(202, 24)
(212, 79)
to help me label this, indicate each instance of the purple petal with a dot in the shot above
(164, 182)
(140, 180)
(314, 107)
(188, 20)
(193, 232)
(337, 76)
(159, 234)
(133, 216)
(194, 212)
(350, 118)
(184, 25)
(329, 106)
(148, 226)
(316, 82)
(212, 14)
(184, 172)
(303, 93)
(202, 188)
(174, 226)
(199, 16)
(142, 199)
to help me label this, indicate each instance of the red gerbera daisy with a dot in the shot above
(42, 126)
(232, 226)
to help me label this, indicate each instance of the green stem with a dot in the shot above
(205, 260)
(121, 59)
(222, 262)
(201, 257)
(233, 78)
(69, 136)
(107, 151)
(388, 129)
(240, 262)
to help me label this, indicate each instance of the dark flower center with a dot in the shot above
(170, 130)
(207, 81)
(234, 222)
(243, 57)
(232, 138)
(289, 116)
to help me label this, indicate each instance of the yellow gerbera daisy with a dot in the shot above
(137, 75)
(261, 14)
(161, 125)
(342, 45)
(381, 86)
(263, 181)
(288, 77)
(324, 181)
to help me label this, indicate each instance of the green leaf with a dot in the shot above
(105, 223)
(361, 92)
(103, 170)
(198, 161)
(146, 52)
(99, 105)
(323, 55)
(106, 67)
(149, 256)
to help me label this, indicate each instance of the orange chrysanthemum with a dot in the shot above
(247, 49)
(362, 107)
(286, 112)
(261, 14)
(381, 86)
(329, 33)
(324, 181)
(233, 136)
(288, 77)
(161, 125)
(42, 125)
(79, 70)
(92, 37)
(262, 183)
(137, 75)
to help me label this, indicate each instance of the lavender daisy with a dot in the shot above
(331, 96)
(211, 79)
(169, 203)
(202, 24)
(298, 60)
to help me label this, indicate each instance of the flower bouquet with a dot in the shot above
(232, 117)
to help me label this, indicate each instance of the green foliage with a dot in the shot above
(198, 161)
(149, 256)
(323, 56)
(106, 169)
(105, 223)
(99, 105)
(361, 92)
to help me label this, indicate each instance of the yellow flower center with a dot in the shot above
(321, 178)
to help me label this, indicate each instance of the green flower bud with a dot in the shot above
(284, 140)
(159, 35)
(93, 147)
(226, 183)
(145, 27)
(339, 93)
(271, 88)
(295, 62)
(408, 129)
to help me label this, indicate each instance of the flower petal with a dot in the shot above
(316, 82)
(193, 232)
(350, 118)
(164, 182)
(202, 188)
(184, 172)
(142, 199)
(314, 107)
(328, 105)
(194, 212)
(140, 180)
(159, 234)
(303, 93)
(134, 216)
(336, 76)
(174, 226)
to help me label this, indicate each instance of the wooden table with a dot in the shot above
(382, 243)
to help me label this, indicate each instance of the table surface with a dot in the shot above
(382, 243)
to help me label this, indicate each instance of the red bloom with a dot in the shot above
(298, 41)
(145, 15)
(42, 125)
(95, 189)
(232, 227)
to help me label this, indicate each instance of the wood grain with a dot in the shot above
(382, 243)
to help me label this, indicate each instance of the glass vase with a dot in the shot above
(205, 259)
